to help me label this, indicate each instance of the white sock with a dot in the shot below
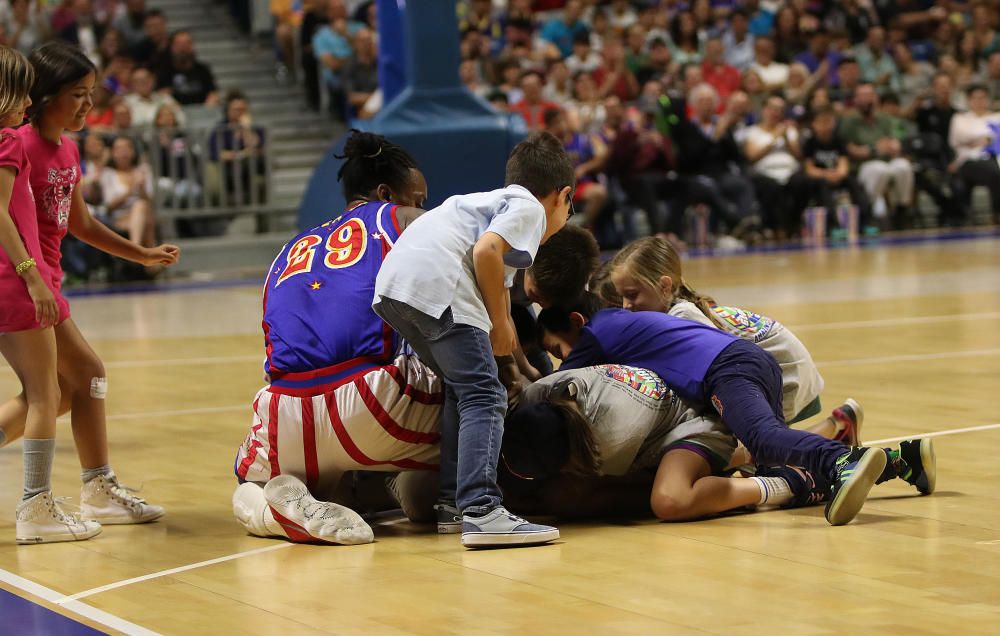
(773, 490)
(88, 474)
(38, 454)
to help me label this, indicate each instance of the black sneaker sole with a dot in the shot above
(928, 460)
(849, 500)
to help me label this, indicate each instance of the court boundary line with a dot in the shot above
(894, 322)
(90, 612)
(949, 431)
(915, 357)
(63, 600)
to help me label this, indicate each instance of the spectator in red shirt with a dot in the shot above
(612, 76)
(723, 78)
(532, 106)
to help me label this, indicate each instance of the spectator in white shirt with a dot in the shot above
(971, 136)
(772, 148)
(774, 74)
(584, 58)
(144, 102)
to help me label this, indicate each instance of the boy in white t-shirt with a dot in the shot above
(443, 287)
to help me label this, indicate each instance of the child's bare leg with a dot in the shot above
(684, 489)
(14, 414)
(85, 378)
(31, 354)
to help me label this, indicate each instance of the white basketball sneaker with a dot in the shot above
(41, 520)
(104, 500)
(253, 513)
(306, 520)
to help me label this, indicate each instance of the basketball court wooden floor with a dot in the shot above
(912, 332)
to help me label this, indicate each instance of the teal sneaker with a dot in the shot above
(921, 464)
(856, 472)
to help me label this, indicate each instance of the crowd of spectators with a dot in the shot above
(150, 85)
(754, 109)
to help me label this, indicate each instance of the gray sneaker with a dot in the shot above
(500, 528)
(449, 519)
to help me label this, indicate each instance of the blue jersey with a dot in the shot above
(319, 327)
(679, 351)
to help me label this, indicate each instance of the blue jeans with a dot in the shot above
(744, 384)
(475, 401)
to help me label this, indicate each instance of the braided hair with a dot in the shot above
(371, 160)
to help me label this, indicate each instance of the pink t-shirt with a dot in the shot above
(17, 311)
(55, 171)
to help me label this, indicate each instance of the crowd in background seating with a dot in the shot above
(753, 110)
(159, 133)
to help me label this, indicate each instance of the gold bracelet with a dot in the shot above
(25, 266)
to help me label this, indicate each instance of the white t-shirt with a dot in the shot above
(801, 382)
(144, 109)
(115, 185)
(778, 164)
(966, 128)
(430, 267)
(775, 74)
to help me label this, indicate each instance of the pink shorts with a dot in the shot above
(17, 311)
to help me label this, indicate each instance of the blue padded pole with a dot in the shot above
(392, 48)
(433, 48)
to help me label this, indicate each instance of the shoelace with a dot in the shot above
(55, 506)
(515, 518)
(124, 493)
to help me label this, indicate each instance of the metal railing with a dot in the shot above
(198, 172)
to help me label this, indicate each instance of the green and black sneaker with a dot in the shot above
(919, 464)
(856, 472)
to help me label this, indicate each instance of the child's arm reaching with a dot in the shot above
(487, 259)
(92, 232)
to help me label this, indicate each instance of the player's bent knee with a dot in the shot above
(667, 508)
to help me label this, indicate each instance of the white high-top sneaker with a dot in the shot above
(104, 500)
(304, 519)
(253, 513)
(41, 520)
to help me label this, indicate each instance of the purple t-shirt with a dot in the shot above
(679, 351)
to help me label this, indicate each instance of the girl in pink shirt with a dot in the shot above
(27, 313)
(61, 96)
